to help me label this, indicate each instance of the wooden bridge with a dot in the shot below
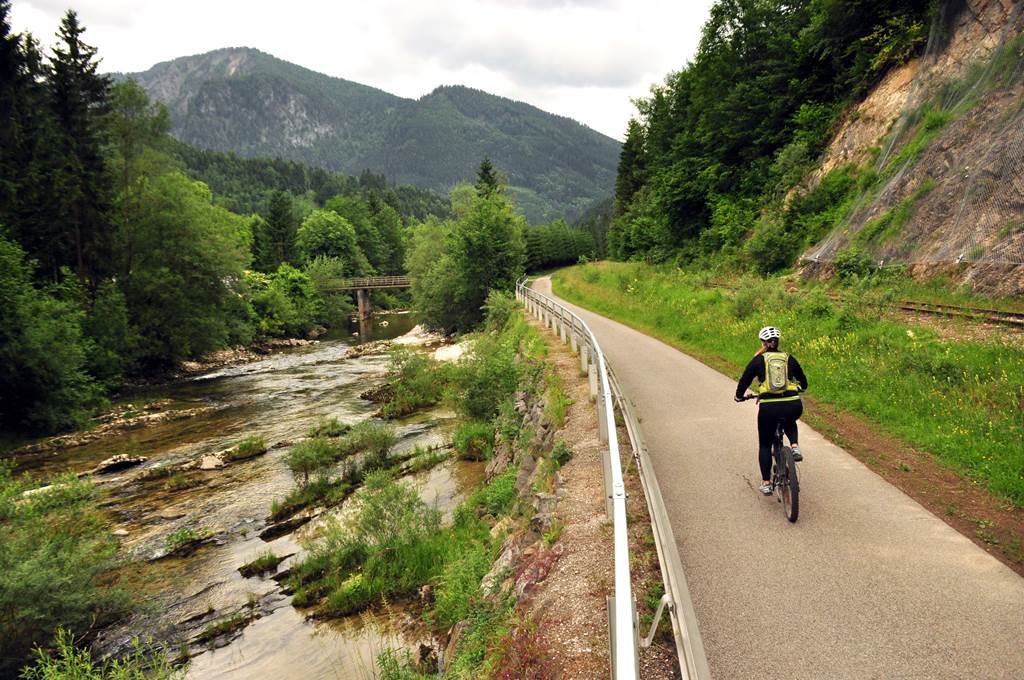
(362, 285)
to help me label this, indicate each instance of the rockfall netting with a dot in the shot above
(949, 177)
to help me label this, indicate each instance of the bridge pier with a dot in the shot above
(365, 309)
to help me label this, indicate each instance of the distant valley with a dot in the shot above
(251, 103)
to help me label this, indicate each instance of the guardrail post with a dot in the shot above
(562, 331)
(592, 379)
(573, 343)
(584, 358)
(602, 418)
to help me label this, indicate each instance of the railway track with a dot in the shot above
(980, 314)
(977, 314)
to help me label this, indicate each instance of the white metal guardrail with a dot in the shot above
(622, 620)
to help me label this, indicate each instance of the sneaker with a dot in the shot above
(797, 456)
(766, 489)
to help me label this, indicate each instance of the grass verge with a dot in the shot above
(959, 400)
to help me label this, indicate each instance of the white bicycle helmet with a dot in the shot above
(768, 333)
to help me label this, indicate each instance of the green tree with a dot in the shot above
(44, 385)
(275, 241)
(30, 154)
(483, 249)
(80, 100)
(632, 167)
(432, 272)
(326, 233)
(285, 303)
(189, 256)
(488, 182)
(357, 213)
(388, 223)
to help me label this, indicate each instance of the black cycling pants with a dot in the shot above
(768, 416)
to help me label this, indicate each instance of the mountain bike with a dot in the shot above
(785, 483)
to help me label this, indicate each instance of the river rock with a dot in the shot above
(212, 462)
(120, 532)
(121, 461)
(502, 457)
(285, 527)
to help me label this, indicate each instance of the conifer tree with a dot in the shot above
(275, 242)
(632, 168)
(487, 182)
(79, 96)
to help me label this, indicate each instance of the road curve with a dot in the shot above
(867, 584)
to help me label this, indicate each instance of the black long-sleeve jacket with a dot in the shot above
(755, 369)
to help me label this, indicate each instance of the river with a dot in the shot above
(279, 398)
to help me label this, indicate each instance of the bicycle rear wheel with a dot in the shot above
(790, 486)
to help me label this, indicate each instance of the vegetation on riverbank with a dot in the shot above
(393, 544)
(319, 457)
(68, 662)
(956, 398)
(55, 552)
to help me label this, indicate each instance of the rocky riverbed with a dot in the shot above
(189, 513)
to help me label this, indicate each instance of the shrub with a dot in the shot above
(394, 666)
(525, 654)
(458, 587)
(328, 427)
(486, 376)
(419, 381)
(374, 437)
(561, 453)
(266, 561)
(308, 457)
(498, 309)
(249, 447)
(852, 263)
(494, 499)
(54, 549)
(67, 662)
(474, 441)
(184, 536)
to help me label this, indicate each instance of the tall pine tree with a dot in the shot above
(80, 98)
(275, 241)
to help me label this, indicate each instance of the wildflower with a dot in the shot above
(910, 333)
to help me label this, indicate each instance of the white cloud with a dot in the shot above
(579, 58)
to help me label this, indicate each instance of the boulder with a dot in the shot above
(502, 457)
(212, 462)
(121, 461)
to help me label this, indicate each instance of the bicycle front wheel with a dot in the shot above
(790, 489)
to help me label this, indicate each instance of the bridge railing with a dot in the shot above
(370, 282)
(623, 625)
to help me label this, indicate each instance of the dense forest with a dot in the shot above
(707, 164)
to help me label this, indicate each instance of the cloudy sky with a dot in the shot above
(579, 58)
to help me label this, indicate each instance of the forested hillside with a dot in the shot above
(250, 103)
(731, 161)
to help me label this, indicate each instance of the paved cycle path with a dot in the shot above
(867, 584)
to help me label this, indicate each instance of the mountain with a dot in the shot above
(251, 103)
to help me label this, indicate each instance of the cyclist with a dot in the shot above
(781, 381)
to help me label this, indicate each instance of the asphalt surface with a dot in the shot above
(867, 584)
